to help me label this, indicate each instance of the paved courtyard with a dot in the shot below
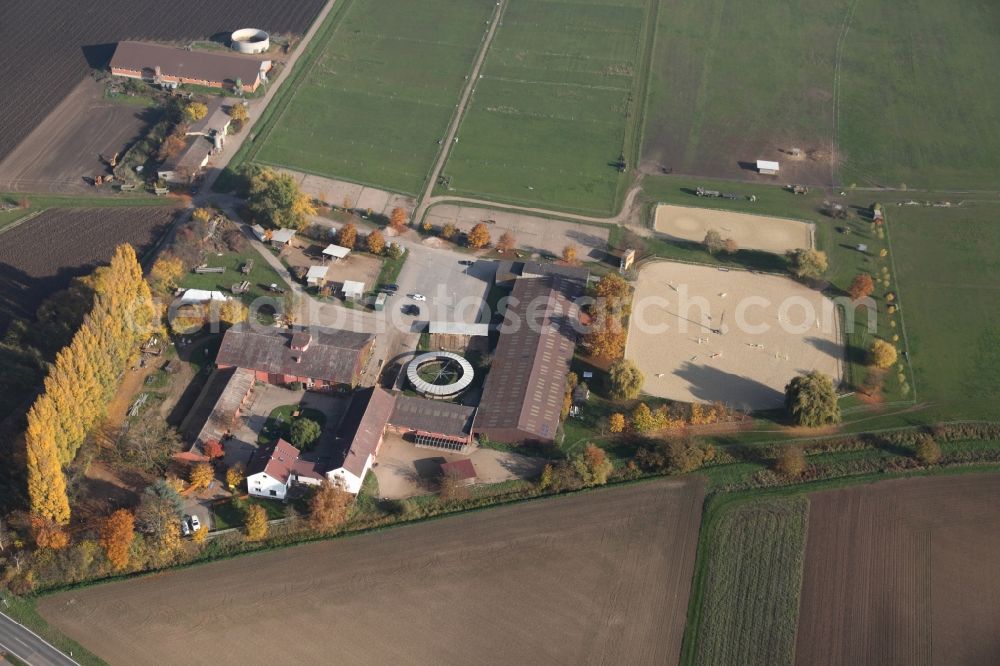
(404, 470)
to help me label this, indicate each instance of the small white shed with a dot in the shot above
(768, 168)
(353, 290)
(336, 251)
(316, 275)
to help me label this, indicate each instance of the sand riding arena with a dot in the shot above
(703, 333)
(751, 232)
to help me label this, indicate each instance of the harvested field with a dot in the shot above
(703, 333)
(736, 82)
(903, 572)
(597, 577)
(49, 47)
(751, 232)
(67, 146)
(43, 254)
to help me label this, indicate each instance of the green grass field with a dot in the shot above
(919, 104)
(260, 277)
(732, 79)
(748, 584)
(949, 279)
(379, 93)
(556, 105)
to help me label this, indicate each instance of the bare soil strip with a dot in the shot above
(592, 578)
(903, 572)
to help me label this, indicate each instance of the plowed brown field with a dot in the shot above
(903, 572)
(43, 254)
(601, 577)
(49, 45)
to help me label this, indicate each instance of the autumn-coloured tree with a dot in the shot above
(448, 231)
(606, 338)
(347, 236)
(166, 274)
(642, 419)
(730, 246)
(791, 461)
(233, 311)
(48, 533)
(117, 533)
(927, 451)
(398, 219)
(506, 242)
(158, 516)
(376, 242)
(625, 380)
(255, 522)
(616, 422)
(811, 264)
(213, 449)
(46, 483)
(235, 475)
(862, 286)
(713, 242)
(329, 507)
(613, 288)
(238, 112)
(545, 478)
(275, 200)
(883, 354)
(478, 237)
(592, 466)
(201, 475)
(171, 147)
(195, 111)
(569, 255)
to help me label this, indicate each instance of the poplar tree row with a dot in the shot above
(84, 378)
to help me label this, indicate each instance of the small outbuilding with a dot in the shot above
(336, 252)
(282, 237)
(353, 290)
(463, 471)
(768, 168)
(316, 276)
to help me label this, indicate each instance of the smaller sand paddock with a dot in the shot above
(751, 232)
(704, 334)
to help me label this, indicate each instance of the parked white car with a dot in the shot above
(195, 524)
(418, 297)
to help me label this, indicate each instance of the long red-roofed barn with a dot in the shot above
(170, 66)
(524, 391)
(318, 358)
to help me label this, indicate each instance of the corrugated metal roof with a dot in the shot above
(332, 355)
(433, 416)
(336, 251)
(458, 328)
(212, 66)
(527, 381)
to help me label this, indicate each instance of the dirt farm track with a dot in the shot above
(597, 577)
(903, 572)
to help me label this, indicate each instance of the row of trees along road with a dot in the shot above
(83, 380)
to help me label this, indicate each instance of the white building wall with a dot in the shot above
(261, 485)
(346, 480)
